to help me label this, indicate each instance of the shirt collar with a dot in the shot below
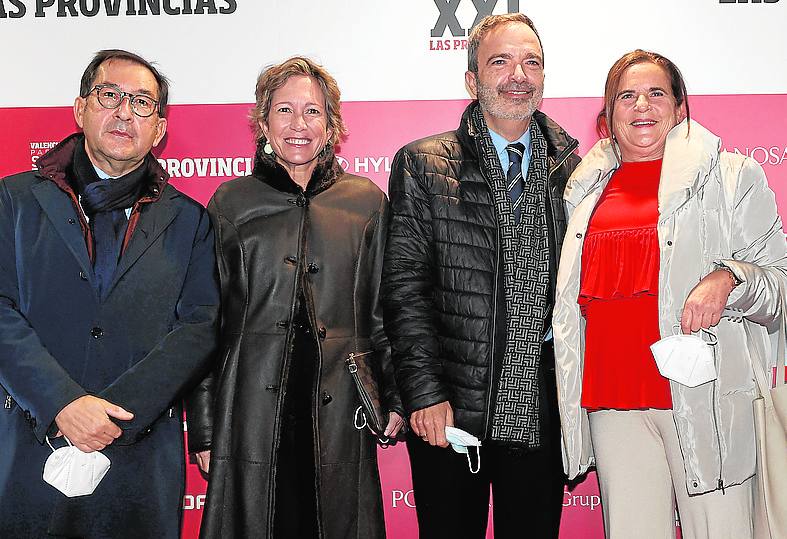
(101, 174)
(501, 143)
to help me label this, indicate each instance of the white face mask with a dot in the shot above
(462, 441)
(686, 359)
(73, 472)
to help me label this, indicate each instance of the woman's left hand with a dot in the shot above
(706, 301)
(395, 424)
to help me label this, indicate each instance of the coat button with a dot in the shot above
(579, 235)
(321, 333)
(71, 220)
(669, 242)
(312, 268)
(82, 276)
(97, 332)
(326, 398)
(291, 260)
(301, 201)
(695, 484)
(27, 415)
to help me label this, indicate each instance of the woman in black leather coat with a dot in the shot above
(300, 247)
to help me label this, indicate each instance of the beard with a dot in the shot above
(494, 103)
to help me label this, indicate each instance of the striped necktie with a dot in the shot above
(515, 184)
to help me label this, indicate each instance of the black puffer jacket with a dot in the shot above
(443, 298)
(271, 235)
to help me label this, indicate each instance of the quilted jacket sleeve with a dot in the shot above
(388, 388)
(759, 250)
(407, 284)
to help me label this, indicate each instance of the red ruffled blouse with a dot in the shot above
(619, 294)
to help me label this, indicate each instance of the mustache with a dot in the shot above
(122, 127)
(516, 87)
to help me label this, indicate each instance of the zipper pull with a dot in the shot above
(351, 363)
(721, 485)
(8, 402)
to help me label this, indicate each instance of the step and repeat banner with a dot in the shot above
(400, 65)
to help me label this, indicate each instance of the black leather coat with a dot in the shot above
(442, 285)
(268, 233)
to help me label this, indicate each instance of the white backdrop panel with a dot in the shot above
(383, 49)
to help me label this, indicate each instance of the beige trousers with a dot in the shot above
(641, 478)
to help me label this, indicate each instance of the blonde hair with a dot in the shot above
(274, 77)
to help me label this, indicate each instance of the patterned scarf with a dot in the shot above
(525, 248)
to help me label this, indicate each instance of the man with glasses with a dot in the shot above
(108, 314)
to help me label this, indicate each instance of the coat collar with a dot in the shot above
(558, 140)
(55, 164)
(691, 152)
(150, 219)
(267, 170)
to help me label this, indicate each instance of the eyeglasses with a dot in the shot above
(110, 97)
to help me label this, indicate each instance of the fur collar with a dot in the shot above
(266, 169)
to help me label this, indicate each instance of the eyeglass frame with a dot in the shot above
(124, 95)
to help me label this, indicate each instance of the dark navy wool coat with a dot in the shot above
(140, 348)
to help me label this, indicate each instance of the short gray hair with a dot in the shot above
(485, 26)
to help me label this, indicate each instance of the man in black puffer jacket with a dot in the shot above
(468, 287)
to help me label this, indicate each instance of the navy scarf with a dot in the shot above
(105, 203)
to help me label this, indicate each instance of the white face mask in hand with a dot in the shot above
(686, 359)
(73, 472)
(462, 441)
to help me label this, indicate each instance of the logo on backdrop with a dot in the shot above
(365, 164)
(15, 9)
(453, 16)
(207, 167)
(582, 500)
(37, 149)
(193, 502)
(764, 155)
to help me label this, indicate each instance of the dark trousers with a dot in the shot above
(296, 514)
(527, 486)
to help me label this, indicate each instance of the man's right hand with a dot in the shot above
(429, 423)
(203, 460)
(86, 422)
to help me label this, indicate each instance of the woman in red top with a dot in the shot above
(665, 232)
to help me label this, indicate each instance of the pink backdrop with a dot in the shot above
(208, 144)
